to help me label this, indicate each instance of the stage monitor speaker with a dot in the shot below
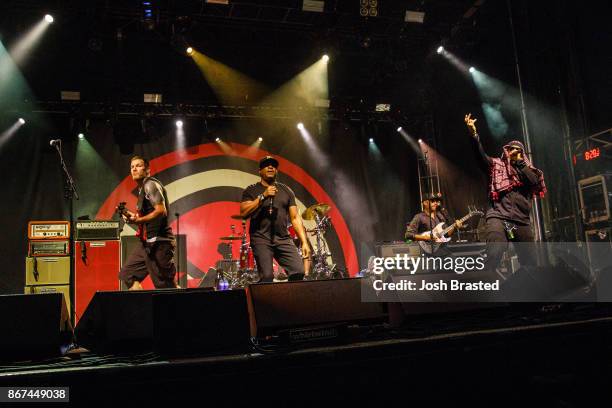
(199, 321)
(171, 321)
(34, 326)
(274, 307)
(117, 322)
(549, 283)
(413, 305)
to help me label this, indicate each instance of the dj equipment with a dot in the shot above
(48, 230)
(97, 230)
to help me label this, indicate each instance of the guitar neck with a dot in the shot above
(453, 224)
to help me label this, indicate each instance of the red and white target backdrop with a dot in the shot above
(205, 184)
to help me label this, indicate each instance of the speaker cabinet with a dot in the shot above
(96, 267)
(34, 326)
(291, 305)
(170, 321)
(47, 270)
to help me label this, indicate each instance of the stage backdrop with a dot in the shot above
(372, 190)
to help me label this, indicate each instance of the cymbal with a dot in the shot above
(237, 217)
(230, 238)
(321, 209)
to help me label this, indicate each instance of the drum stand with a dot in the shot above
(320, 267)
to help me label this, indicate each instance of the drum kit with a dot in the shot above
(320, 268)
(239, 273)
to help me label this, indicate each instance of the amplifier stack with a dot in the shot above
(47, 265)
(96, 260)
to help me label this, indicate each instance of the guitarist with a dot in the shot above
(426, 220)
(156, 254)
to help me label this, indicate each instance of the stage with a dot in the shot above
(545, 354)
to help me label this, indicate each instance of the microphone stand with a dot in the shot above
(178, 254)
(70, 193)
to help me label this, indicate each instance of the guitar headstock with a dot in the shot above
(121, 210)
(474, 210)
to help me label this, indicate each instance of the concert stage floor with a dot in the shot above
(558, 355)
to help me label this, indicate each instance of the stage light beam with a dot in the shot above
(472, 70)
(260, 139)
(399, 129)
(22, 121)
(189, 51)
(440, 50)
(325, 58)
(49, 18)
(179, 123)
(300, 126)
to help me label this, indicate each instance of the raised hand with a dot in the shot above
(471, 124)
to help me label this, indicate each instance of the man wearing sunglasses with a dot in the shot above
(513, 181)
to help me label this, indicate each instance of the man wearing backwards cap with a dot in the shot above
(270, 205)
(513, 181)
(427, 219)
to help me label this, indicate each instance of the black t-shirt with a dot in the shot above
(263, 224)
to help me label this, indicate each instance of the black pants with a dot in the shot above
(286, 254)
(497, 243)
(157, 259)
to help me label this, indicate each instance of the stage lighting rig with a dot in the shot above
(149, 14)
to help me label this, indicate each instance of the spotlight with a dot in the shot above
(179, 123)
(22, 121)
(189, 51)
(300, 126)
(81, 136)
(371, 140)
(440, 50)
(399, 129)
(472, 70)
(260, 139)
(218, 139)
(325, 58)
(49, 18)
(420, 140)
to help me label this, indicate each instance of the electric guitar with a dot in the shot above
(141, 232)
(438, 233)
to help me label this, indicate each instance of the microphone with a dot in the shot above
(271, 207)
(55, 142)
